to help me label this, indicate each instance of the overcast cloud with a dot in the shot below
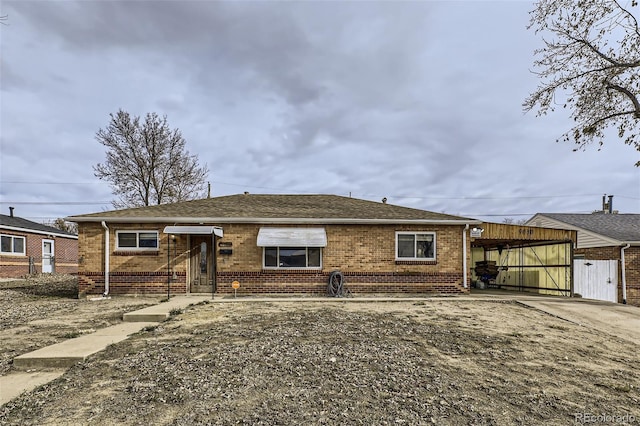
(419, 102)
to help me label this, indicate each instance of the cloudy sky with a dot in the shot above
(419, 102)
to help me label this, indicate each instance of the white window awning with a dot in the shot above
(292, 237)
(194, 230)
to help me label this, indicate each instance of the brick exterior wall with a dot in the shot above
(632, 272)
(364, 253)
(132, 283)
(17, 266)
(600, 253)
(315, 283)
(632, 268)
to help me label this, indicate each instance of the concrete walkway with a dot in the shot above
(36, 368)
(69, 352)
(162, 311)
(14, 384)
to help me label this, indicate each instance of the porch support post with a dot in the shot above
(168, 266)
(215, 266)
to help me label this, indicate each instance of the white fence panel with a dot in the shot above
(596, 279)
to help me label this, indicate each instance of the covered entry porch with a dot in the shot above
(523, 258)
(200, 256)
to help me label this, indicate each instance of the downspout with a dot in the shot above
(624, 275)
(106, 259)
(464, 256)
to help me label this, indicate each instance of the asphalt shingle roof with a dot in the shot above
(18, 222)
(622, 227)
(265, 206)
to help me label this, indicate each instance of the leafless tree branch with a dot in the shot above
(592, 59)
(147, 162)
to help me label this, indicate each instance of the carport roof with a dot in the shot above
(499, 234)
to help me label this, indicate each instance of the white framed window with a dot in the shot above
(292, 257)
(136, 240)
(415, 246)
(12, 244)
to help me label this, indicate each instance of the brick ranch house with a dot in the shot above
(272, 244)
(603, 236)
(28, 247)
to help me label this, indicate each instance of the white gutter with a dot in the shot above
(34, 231)
(106, 258)
(279, 220)
(464, 256)
(624, 276)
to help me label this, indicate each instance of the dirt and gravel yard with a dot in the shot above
(44, 310)
(439, 361)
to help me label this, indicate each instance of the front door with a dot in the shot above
(47, 256)
(201, 274)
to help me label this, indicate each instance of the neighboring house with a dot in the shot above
(28, 247)
(602, 236)
(273, 244)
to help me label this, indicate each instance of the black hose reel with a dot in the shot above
(336, 287)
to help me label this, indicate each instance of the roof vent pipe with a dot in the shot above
(610, 204)
(11, 211)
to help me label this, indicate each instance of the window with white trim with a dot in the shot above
(415, 246)
(12, 244)
(136, 240)
(292, 257)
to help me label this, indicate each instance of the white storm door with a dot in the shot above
(47, 256)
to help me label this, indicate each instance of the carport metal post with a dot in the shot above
(571, 288)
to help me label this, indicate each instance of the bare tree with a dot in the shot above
(512, 221)
(63, 225)
(147, 162)
(592, 54)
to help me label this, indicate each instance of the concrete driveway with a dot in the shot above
(613, 318)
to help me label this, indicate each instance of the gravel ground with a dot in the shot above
(43, 310)
(442, 361)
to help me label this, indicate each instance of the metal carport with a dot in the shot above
(532, 259)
